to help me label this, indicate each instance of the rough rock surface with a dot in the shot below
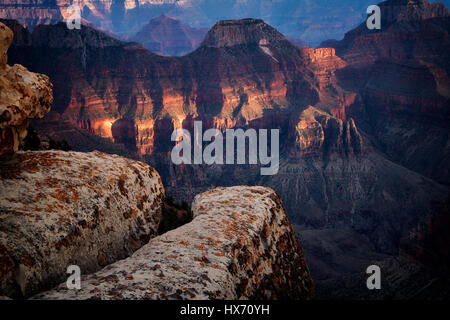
(23, 95)
(318, 133)
(240, 245)
(130, 96)
(62, 208)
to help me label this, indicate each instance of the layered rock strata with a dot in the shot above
(244, 74)
(316, 132)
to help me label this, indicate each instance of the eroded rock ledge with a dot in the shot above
(62, 208)
(240, 245)
(23, 95)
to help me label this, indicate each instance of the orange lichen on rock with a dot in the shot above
(68, 221)
(247, 265)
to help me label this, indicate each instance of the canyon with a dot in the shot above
(258, 147)
(363, 121)
(310, 22)
(19, 88)
(101, 213)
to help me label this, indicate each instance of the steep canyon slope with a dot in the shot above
(402, 75)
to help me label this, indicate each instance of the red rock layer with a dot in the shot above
(244, 74)
(402, 76)
(316, 132)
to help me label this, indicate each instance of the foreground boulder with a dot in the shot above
(240, 245)
(68, 208)
(23, 95)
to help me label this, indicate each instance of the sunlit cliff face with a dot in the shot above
(245, 74)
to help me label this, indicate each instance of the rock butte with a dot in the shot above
(169, 37)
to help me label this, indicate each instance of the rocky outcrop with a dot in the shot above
(169, 37)
(23, 95)
(317, 132)
(67, 208)
(240, 245)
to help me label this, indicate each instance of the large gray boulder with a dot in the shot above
(68, 208)
(240, 245)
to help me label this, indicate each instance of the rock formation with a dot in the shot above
(364, 131)
(401, 74)
(317, 132)
(231, 33)
(32, 12)
(169, 37)
(148, 95)
(91, 209)
(240, 245)
(406, 32)
(245, 74)
(23, 95)
(299, 19)
(58, 208)
(67, 208)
